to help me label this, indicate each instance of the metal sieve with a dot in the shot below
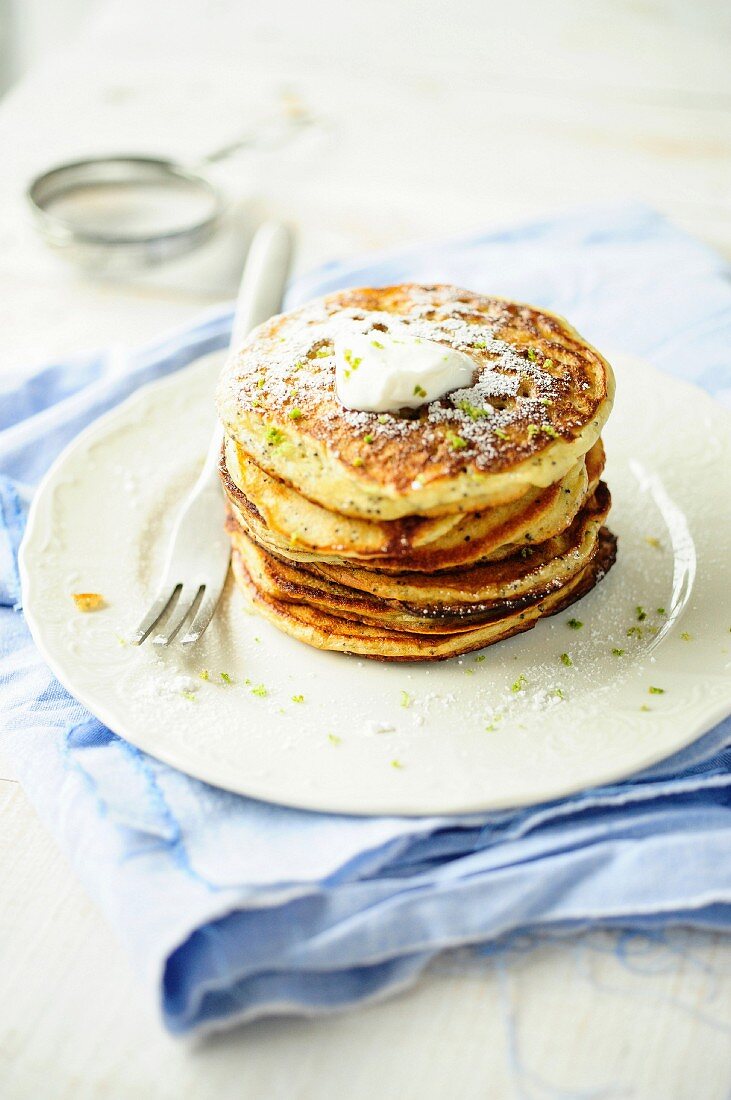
(118, 213)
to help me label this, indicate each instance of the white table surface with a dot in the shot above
(440, 117)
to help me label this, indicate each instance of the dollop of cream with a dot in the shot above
(386, 371)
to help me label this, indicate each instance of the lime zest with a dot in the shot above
(475, 412)
(456, 442)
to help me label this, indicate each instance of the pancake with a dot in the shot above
(291, 518)
(281, 580)
(539, 398)
(428, 532)
(324, 630)
(533, 569)
(297, 529)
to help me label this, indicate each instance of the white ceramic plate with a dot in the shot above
(464, 741)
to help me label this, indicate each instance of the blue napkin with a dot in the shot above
(234, 909)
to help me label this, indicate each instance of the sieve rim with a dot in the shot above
(72, 176)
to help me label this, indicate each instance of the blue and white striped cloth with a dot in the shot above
(233, 909)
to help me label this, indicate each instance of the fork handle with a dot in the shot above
(260, 297)
(263, 281)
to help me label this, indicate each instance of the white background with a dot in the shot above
(434, 118)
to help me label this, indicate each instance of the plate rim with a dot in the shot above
(215, 775)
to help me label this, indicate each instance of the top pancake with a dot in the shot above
(539, 399)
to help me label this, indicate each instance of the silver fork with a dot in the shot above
(199, 553)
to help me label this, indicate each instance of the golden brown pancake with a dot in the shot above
(282, 580)
(538, 569)
(424, 533)
(295, 528)
(539, 398)
(324, 630)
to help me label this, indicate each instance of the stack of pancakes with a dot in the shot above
(416, 534)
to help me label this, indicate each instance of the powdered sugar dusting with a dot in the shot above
(289, 370)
